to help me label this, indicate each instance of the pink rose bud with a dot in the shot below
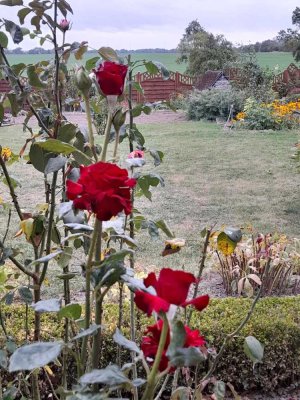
(64, 25)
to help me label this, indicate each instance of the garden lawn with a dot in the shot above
(211, 177)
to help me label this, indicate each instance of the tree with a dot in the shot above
(291, 37)
(203, 51)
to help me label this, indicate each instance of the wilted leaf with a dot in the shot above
(181, 393)
(173, 246)
(234, 234)
(36, 355)
(108, 54)
(225, 244)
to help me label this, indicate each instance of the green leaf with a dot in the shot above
(110, 376)
(219, 390)
(22, 14)
(3, 40)
(64, 258)
(157, 156)
(91, 63)
(46, 258)
(161, 224)
(151, 67)
(57, 146)
(39, 157)
(11, 3)
(71, 311)
(50, 305)
(187, 357)
(25, 294)
(67, 132)
(107, 53)
(33, 78)
(254, 349)
(136, 136)
(15, 107)
(18, 68)
(32, 356)
(121, 340)
(178, 337)
(92, 330)
(55, 164)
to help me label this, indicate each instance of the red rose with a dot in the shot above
(150, 342)
(171, 287)
(111, 77)
(102, 188)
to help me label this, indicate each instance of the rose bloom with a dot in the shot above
(149, 343)
(171, 287)
(136, 154)
(64, 25)
(103, 189)
(111, 78)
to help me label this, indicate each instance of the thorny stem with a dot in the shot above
(90, 125)
(237, 330)
(106, 136)
(2, 323)
(200, 271)
(149, 391)
(11, 188)
(116, 145)
(88, 273)
(50, 226)
(131, 234)
(7, 226)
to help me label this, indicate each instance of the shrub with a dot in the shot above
(209, 104)
(276, 115)
(275, 322)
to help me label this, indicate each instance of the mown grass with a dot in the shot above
(211, 176)
(270, 60)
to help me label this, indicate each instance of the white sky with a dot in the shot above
(134, 24)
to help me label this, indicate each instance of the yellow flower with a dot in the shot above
(6, 153)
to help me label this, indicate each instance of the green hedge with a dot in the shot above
(275, 323)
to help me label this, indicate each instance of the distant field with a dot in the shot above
(278, 60)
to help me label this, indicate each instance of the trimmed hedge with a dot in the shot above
(275, 323)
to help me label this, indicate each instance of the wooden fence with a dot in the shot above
(155, 88)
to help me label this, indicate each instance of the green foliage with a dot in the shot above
(209, 104)
(275, 323)
(204, 51)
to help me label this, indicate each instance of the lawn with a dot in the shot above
(271, 60)
(211, 177)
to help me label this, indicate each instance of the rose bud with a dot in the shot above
(110, 77)
(82, 80)
(64, 25)
(119, 119)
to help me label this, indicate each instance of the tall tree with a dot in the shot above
(291, 37)
(203, 51)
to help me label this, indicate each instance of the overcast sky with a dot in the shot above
(134, 24)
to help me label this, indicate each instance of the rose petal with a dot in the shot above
(173, 286)
(149, 303)
(199, 302)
